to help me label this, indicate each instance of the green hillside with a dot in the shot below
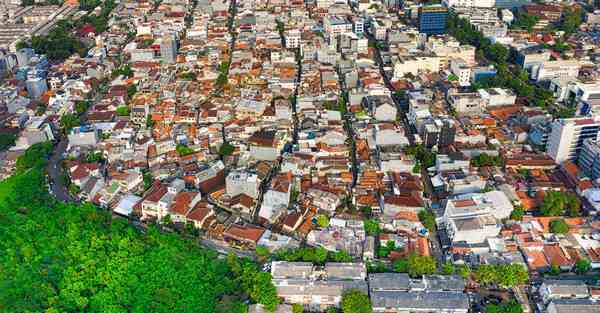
(57, 257)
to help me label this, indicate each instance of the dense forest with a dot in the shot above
(58, 257)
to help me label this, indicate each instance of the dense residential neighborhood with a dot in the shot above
(335, 156)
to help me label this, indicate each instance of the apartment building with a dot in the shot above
(568, 135)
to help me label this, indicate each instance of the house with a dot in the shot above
(573, 305)
(381, 107)
(243, 236)
(277, 199)
(200, 215)
(148, 206)
(238, 182)
(81, 172)
(394, 204)
(182, 205)
(563, 289)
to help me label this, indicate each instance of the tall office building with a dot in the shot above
(432, 20)
(168, 49)
(568, 135)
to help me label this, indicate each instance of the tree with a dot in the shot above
(340, 257)
(384, 251)
(448, 268)
(34, 156)
(421, 265)
(503, 275)
(6, 141)
(263, 253)
(427, 219)
(464, 271)
(497, 53)
(124, 70)
(354, 301)
(525, 21)
(400, 266)
(263, 291)
(554, 270)
(517, 213)
(487, 160)
(583, 266)
(367, 211)
(80, 107)
(69, 121)
(505, 307)
(191, 76)
(183, 150)
(322, 221)
(372, 227)
(94, 157)
(571, 20)
(226, 149)
(559, 226)
(131, 90)
(297, 308)
(377, 267)
(123, 111)
(557, 203)
(149, 122)
(321, 255)
(147, 179)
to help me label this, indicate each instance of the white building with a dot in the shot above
(246, 183)
(83, 136)
(292, 39)
(335, 25)
(36, 131)
(416, 64)
(462, 71)
(574, 91)
(470, 220)
(567, 137)
(493, 97)
(465, 102)
(547, 70)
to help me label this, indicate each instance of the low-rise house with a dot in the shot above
(243, 236)
(573, 305)
(563, 289)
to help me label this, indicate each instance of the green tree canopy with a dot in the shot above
(503, 275)
(372, 227)
(6, 141)
(427, 219)
(354, 301)
(505, 307)
(322, 220)
(517, 213)
(559, 226)
(421, 265)
(123, 111)
(183, 150)
(558, 203)
(583, 266)
(69, 121)
(448, 268)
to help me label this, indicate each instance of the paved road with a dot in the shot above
(59, 190)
